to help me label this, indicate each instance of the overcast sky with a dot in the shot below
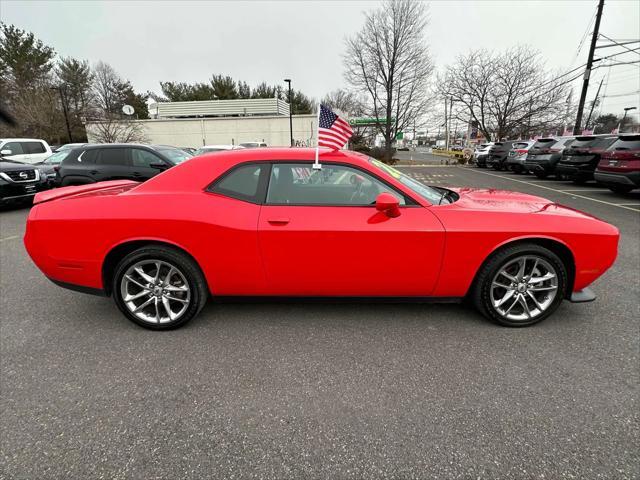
(267, 41)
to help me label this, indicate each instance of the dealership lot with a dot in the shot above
(325, 390)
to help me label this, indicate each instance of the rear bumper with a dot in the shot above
(610, 178)
(577, 171)
(582, 296)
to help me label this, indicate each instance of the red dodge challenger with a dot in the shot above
(266, 223)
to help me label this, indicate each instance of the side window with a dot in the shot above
(143, 158)
(88, 156)
(15, 147)
(113, 156)
(33, 147)
(242, 183)
(300, 184)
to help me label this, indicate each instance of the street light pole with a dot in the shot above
(288, 80)
(624, 117)
(64, 109)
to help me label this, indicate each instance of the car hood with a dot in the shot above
(507, 201)
(8, 166)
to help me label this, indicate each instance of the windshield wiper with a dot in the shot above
(442, 197)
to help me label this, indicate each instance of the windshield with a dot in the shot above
(432, 195)
(176, 156)
(57, 157)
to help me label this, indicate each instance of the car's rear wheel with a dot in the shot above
(159, 287)
(620, 188)
(520, 285)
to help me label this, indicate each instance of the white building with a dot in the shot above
(223, 122)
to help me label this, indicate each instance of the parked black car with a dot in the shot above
(19, 182)
(580, 159)
(545, 155)
(498, 153)
(96, 163)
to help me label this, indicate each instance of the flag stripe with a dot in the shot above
(336, 135)
(337, 143)
(333, 132)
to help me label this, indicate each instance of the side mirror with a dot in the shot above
(388, 204)
(159, 166)
(6, 152)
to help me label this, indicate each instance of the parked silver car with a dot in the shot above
(518, 155)
(481, 153)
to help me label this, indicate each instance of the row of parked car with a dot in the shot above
(28, 166)
(611, 160)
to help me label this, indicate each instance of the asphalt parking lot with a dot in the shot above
(276, 390)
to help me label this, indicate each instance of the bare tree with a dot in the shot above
(389, 61)
(345, 101)
(507, 94)
(110, 125)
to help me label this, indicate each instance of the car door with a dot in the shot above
(112, 163)
(320, 234)
(141, 164)
(16, 152)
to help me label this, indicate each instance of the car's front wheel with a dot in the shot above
(159, 287)
(520, 285)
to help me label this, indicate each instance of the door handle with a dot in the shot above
(137, 174)
(93, 172)
(278, 221)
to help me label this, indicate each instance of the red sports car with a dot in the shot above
(266, 223)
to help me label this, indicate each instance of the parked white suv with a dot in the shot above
(26, 150)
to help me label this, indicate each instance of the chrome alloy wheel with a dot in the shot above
(155, 291)
(524, 288)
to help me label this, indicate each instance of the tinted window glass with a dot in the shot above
(143, 158)
(15, 147)
(241, 183)
(300, 184)
(56, 158)
(628, 143)
(113, 156)
(33, 147)
(544, 143)
(175, 155)
(564, 143)
(520, 145)
(88, 156)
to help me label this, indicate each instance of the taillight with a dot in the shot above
(521, 152)
(554, 150)
(56, 168)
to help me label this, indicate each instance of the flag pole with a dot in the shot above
(316, 165)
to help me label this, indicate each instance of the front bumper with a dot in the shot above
(20, 192)
(610, 178)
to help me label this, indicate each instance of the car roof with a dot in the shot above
(21, 140)
(224, 147)
(188, 176)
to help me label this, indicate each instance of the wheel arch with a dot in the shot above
(122, 249)
(560, 248)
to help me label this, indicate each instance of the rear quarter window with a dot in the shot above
(33, 147)
(631, 143)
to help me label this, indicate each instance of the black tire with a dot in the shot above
(481, 292)
(186, 265)
(540, 174)
(620, 188)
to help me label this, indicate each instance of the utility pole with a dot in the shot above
(587, 72)
(593, 105)
(288, 80)
(446, 126)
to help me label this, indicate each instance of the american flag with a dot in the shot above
(333, 131)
